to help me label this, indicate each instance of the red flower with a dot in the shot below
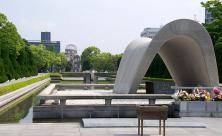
(216, 90)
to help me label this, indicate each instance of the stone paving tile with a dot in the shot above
(203, 132)
(65, 134)
(75, 129)
(93, 131)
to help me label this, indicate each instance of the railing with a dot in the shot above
(108, 97)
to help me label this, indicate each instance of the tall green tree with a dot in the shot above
(106, 62)
(60, 61)
(87, 55)
(15, 56)
(103, 62)
(215, 29)
(40, 57)
(48, 60)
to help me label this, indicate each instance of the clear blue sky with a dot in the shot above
(108, 24)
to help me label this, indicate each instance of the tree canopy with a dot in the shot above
(18, 59)
(106, 62)
(87, 55)
(215, 29)
(46, 59)
(93, 59)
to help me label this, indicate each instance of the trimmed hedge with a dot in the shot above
(13, 87)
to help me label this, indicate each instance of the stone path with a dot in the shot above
(213, 128)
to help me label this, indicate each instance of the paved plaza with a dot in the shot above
(213, 128)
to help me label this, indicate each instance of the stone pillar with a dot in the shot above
(149, 87)
(87, 78)
(94, 77)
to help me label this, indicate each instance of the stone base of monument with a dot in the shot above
(94, 101)
(90, 111)
(200, 109)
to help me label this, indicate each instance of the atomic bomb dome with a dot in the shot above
(71, 47)
(72, 57)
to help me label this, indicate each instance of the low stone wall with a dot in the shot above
(89, 111)
(200, 109)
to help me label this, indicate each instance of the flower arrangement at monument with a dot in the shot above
(217, 94)
(200, 94)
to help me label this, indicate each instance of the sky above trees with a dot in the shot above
(108, 24)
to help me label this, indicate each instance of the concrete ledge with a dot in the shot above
(5, 99)
(107, 96)
(200, 109)
(48, 90)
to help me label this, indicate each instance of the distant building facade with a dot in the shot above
(208, 17)
(149, 32)
(73, 58)
(45, 36)
(46, 40)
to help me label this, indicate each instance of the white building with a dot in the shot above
(73, 58)
(149, 32)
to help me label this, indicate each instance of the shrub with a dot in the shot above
(3, 78)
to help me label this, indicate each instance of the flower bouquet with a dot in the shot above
(217, 94)
(196, 95)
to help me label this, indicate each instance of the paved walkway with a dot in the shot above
(213, 128)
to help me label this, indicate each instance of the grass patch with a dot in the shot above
(157, 79)
(55, 75)
(13, 87)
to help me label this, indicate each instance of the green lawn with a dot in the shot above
(13, 87)
(157, 79)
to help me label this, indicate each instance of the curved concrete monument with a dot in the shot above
(186, 49)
